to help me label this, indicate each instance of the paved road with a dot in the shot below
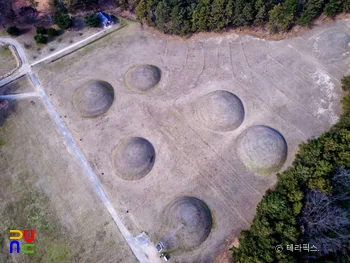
(20, 96)
(143, 248)
(24, 65)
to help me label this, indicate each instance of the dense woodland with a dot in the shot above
(309, 205)
(190, 16)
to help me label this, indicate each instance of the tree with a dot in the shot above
(238, 17)
(12, 31)
(141, 10)
(59, 7)
(79, 4)
(325, 224)
(282, 16)
(262, 14)
(248, 14)
(150, 7)
(28, 14)
(176, 19)
(123, 4)
(40, 30)
(52, 32)
(40, 39)
(346, 6)
(345, 83)
(343, 122)
(200, 16)
(62, 20)
(91, 20)
(311, 10)
(217, 19)
(228, 11)
(162, 14)
(332, 8)
(346, 102)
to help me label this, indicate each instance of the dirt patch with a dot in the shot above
(281, 84)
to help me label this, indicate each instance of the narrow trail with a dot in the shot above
(141, 246)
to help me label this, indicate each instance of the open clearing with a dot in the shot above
(184, 135)
(178, 124)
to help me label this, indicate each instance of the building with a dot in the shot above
(105, 19)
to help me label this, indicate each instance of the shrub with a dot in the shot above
(115, 19)
(63, 21)
(91, 20)
(40, 30)
(52, 32)
(345, 83)
(346, 102)
(59, 6)
(13, 31)
(40, 39)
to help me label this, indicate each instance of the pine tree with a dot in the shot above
(162, 14)
(141, 11)
(261, 15)
(217, 18)
(200, 17)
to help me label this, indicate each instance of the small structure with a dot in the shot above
(160, 246)
(165, 257)
(105, 19)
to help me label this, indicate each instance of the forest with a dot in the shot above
(189, 16)
(184, 17)
(310, 205)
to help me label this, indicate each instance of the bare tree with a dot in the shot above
(325, 224)
(341, 183)
(28, 14)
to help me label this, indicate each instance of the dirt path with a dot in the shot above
(142, 248)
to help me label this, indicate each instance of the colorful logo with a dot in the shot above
(26, 248)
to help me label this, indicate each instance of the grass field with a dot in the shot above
(43, 188)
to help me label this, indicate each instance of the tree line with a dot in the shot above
(191, 16)
(309, 205)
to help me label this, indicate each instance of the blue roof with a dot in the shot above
(104, 18)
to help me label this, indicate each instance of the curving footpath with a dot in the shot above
(143, 249)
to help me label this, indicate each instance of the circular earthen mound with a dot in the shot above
(143, 78)
(262, 149)
(133, 158)
(93, 98)
(221, 110)
(332, 45)
(188, 223)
